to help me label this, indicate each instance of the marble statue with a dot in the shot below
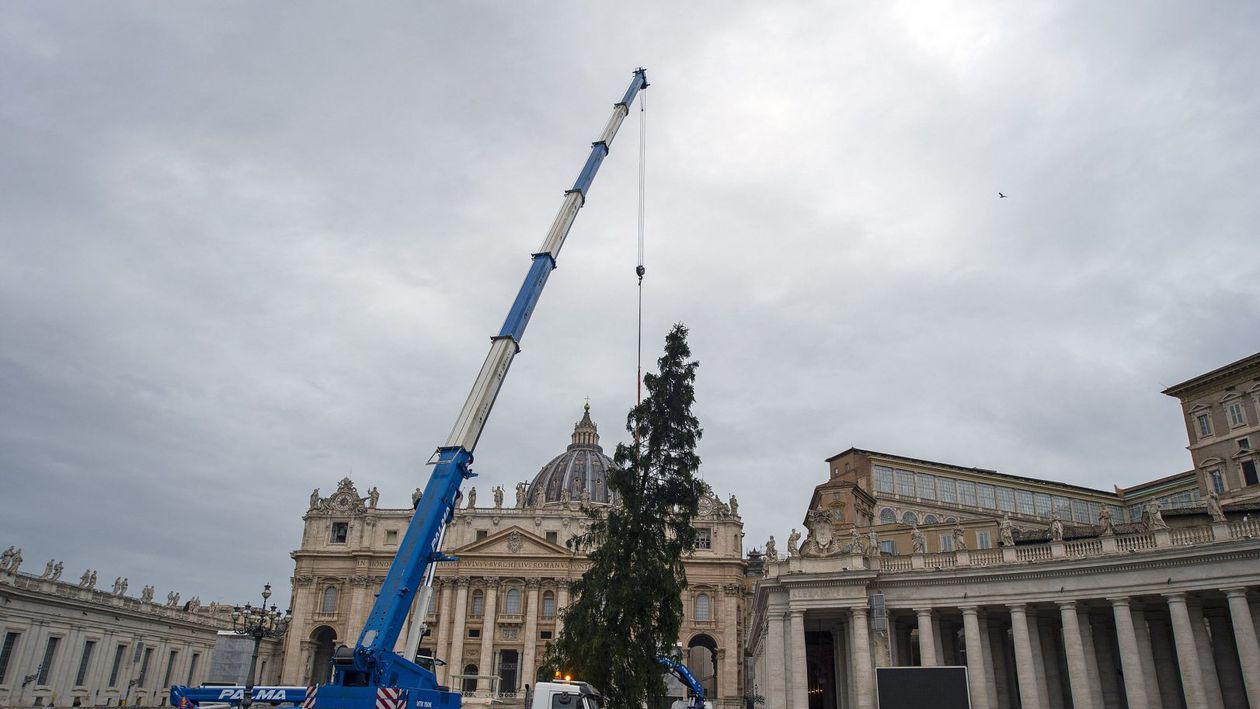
(15, 561)
(146, 594)
(92, 579)
(172, 599)
(1007, 531)
(1154, 518)
(1104, 521)
(85, 578)
(520, 496)
(734, 505)
(918, 542)
(585, 496)
(6, 557)
(497, 491)
(472, 498)
(374, 496)
(314, 498)
(960, 539)
(416, 497)
(794, 540)
(872, 543)
(772, 554)
(48, 569)
(1214, 507)
(117, 584)
(122, 589)
(56, 574)
(564, 495)
(1056, 527)
(194, 604)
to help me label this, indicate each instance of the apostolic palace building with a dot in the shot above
(1051, 595)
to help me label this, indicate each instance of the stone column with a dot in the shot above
(458, 618)
(991, 668)
(776, 667)
(863, 681)
(798, 676)
(927, 638)
(1163, 655)
(1233, 694)
(486, 665)
(938, 642)
(562, 602)
(1245, 638)
(442, 637)
(1034, 640)
(527, 673)
(1073, 648)
(1130, 658)
(731, 643)
(1026, 671)
(1091, 658)
(977, 674)
(1187, 653)
(1203, 643)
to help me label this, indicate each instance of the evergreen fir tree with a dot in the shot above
(628, 605)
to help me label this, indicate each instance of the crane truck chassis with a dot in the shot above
(371, 675)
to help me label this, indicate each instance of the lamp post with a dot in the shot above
(257, 622)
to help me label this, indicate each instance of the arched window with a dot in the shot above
(470, 679)
(951, 520)
(512, 604)
(478, 604)
(909, 518)
(329, 604)
(704, 607)
(548, 604)
(930, 519)
(887, 516)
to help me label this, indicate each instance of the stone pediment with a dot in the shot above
(513, 541)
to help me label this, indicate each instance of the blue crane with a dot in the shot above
(680, 670)
(371, 675)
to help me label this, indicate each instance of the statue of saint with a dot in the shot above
(918, 542)
(794, 540)
(1154, 518)
(1056, 527)
(1214, 507)
(47, 570)
(1007, 531)
(374, 496)
(314, 499)
(734, 506)
(960, 539)
(56, 574)
(472, 498)
(520, 496)
(498, 497)
(1104, 521)
(772, 554)
(416, 497)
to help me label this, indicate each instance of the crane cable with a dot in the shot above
(639, 270)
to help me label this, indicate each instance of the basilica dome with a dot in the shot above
(581, 469)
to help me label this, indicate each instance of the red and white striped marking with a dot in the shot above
(309, 701)
(390, 698)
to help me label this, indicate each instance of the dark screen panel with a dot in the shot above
(921, 687)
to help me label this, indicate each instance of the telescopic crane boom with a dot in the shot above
(371, 669)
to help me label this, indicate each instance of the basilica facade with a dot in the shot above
(1051, 595)
(491, 614)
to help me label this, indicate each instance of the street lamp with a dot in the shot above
(257, 622)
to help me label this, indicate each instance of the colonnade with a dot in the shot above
(1196, 649)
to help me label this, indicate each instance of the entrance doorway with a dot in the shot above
(325, 639)
(509, 664)
(702, 661)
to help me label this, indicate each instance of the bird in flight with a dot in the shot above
(1001, 196)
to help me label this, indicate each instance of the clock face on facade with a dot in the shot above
(343, 502)
(706, 506)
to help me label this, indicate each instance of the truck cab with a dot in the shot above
(565, 695)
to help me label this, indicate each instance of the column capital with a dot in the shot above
(1066, 605)
(1235, 592)
(462, 581)
(924, 611)
(797, 612)
(858, 611)
(969, 610)
(532, 583)
(1175, 597)
(1121, 601)
(1017, 607)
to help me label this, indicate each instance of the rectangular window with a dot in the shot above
(340, 532)
(924, 486)
(192, 668)
(474, 632)
(704, 538)
(1244, 444)
(6, 653)
(50, 654)
(1218, 483)
(1249, 472)
(1236, 416)
(170, 667)
(119, 653)
(1205, 425)
(1041, 503)
(967, 493)
(883, 479)
(888, 546)
(144, 666)
(986, 495)
(1135, 513)
(553, 537)
(1024, 502)
(545, 635)
(947, 542)
(983, 541)
(85, 661)
(391, 536)
(1117, 513)
(947, 490)
(1095, 508)
(1006, 499)
(482, 534)
(905, 483)
(1063, 507)
(1080, 512)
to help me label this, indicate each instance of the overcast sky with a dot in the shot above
(247, 249)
